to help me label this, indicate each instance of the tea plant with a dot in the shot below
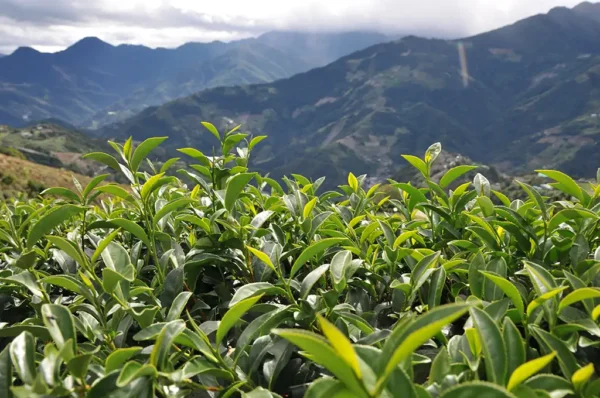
(240, 286)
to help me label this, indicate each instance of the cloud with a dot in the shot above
(52, 25)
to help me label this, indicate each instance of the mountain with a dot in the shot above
(93, 82)
(528, 97)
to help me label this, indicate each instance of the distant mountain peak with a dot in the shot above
(21, 51)
(90, 43)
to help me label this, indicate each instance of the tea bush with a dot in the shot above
(242, 287)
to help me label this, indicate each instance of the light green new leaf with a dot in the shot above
(528, 369)
(234, 314)
(565, 183)
(582, 376)
(148, 186)
(262, 257)
(578, 295)
(455, 173)
(143, 150)
(543, 298)
(312, 251)
(50, 221)
(65, 192)
(340, 344)
(417, 163)
(213, 130)
(323, 354)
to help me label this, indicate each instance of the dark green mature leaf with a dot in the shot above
(494, 349)
(50, 221)
(5, 373)
(107, 159)
(312, 278)
(477, 389)
(22, 354)
(234, 314)
(59, 322)
(515, 348)
(311, 251)
(235, 186)
(164, 342)
(143, 150)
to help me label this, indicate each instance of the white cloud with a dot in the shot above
(50, 25)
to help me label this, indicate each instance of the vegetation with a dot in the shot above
(241, 287)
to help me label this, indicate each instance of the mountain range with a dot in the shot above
(524, 96)
(93, 83)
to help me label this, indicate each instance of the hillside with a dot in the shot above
(531, 91)
(93, 82)
(23, 177)
(53, 145)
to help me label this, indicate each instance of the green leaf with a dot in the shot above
(582, 376)
(535, 196)
(339, 264)
(235, 186)
(549, 343)
(149, 185)
(310, 280)
(262, 257)
(66, 282)
(178, 306)
(119, 357)
(515, 349)
(340, 344)
(58, 191)
(578, 295)
(132, 228)
(50, 221)
(78, 365)
(253, 289)
(476, 389)
(508, 288)
(59, 322)
(143, 150)
(323, 354)
(494, 350)
(543, 298)
(93, 184)
(115, 190)
(528, 369)
(311, 251)
(213, 130)
(418, 164)
(308, 208)
(26, 279)
(255, 141)
(164, 342)
(455, 173)
(26, 260)
(171, 207)
(440, 366)
(68, 247)
(5, 373)
(426, 326)
(105, 158)
(565, 183)
(22, 354)
(234, 314)
(134, 370)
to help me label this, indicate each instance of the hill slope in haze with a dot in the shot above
(529, 98)
(93, 82)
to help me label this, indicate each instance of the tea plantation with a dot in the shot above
(215, 281)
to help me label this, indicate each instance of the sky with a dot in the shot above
(52, 25)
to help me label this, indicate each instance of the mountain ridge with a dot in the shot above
(91, 76)
(360, 112)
